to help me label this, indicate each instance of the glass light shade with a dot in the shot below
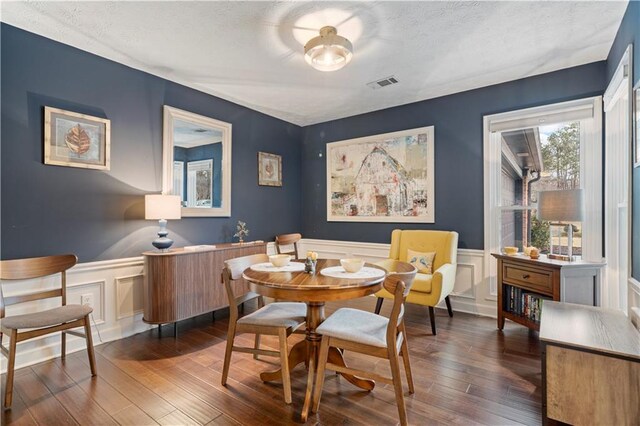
(561, 206)
(328, 51)
(158, 206)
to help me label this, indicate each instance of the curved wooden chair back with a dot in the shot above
(35, 267)
(232, 271)
(287, 240)
(399, 284)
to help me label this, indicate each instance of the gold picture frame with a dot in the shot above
(76, 140)
(269, 169)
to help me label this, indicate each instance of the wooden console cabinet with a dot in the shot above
(590, 366)
(181, 284)
(540, 279)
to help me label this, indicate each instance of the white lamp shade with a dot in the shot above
(561, 206)
(158, 206)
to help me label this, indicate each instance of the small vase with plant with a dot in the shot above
(242, 231)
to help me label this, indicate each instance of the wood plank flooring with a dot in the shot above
(470, 373)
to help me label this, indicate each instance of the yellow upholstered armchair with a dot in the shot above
(428, 289)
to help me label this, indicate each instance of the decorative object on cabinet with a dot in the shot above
(428, 289)
(562, 207)
(180, 283)
(636, 125)
(64, 318)
(241, 231)
(204, 144)
(162, 207)
(590, 366)
(269, 169)
(76, 140)
(524, 284)
(382, 178)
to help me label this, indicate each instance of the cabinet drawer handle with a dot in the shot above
(526, 276)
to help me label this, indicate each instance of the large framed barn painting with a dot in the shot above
(382, 178)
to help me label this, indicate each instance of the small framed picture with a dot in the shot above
(269, 169)
(636, 125)
(76, 140)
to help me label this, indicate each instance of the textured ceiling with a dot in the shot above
(252, 52)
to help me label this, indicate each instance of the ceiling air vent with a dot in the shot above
(383, 82)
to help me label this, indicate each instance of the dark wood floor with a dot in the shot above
(470, 373)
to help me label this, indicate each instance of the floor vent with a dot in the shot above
(383, 82)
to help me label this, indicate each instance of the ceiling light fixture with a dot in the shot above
(328, 51)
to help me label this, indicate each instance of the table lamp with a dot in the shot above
(562, 207)
(162, 207)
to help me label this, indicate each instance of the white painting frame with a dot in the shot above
(387, 178)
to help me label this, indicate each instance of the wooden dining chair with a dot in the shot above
(371, 334)
(62, 318)
(275, 319)
(287, 240)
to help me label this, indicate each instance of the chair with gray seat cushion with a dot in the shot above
(371, 334)
(62, 318)
(275, 319)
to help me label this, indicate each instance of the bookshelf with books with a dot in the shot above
(524, 284)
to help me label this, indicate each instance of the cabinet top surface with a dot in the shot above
(202, 249)
(589, 327)
(544, 261)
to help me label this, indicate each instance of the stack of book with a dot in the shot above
(522, 302)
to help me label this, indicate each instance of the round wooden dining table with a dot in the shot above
(315, 290)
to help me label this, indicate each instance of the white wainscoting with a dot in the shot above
(471, 291)
(105, 281)
(116, 287)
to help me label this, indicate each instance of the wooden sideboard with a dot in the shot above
(540, 279)
(181, 283)
(590, 366)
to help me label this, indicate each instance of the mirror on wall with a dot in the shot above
(197, 162)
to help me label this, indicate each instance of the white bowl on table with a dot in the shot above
(279, 260)
(352, 265)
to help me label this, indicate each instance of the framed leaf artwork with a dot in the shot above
(269, 169)
(76, 140)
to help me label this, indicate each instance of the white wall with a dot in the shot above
(117, 290)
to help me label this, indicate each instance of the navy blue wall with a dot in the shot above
(203, 152)
(458, 150)
(98, 215)
(629, 32)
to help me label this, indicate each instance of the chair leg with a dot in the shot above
(90, 352)
(227, 353)
(405, 358)
(63, 345)
(8, 395)
(284, 361)
(379, 305)
(432, 318)
(448, 302)
(322, 363)
(397, 385)
(256, 345)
